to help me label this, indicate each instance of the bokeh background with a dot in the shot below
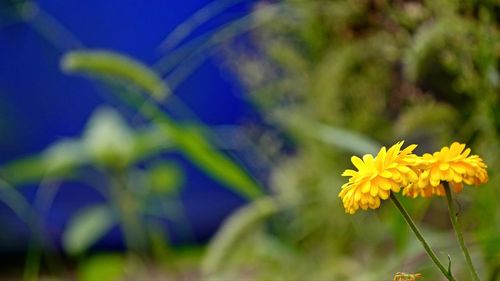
(235, 174)
(42, 105)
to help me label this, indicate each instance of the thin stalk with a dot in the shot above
(421, 238)
(125, 205)
(457, 227)
(12, 198)
(32, 263)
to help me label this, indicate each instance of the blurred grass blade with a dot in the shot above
(64, 155)
(116, 66)
(187, 57)
(195, 146)
(25, 170)
(59, 158)
(232, 231)
(13, 199)
(344, 139)
(150, 141)
(201, 16)
(190, 141)
(49, 27)
(87, 227)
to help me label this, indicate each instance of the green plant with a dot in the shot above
(425, 71)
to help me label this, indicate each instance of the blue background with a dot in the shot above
(40, 105)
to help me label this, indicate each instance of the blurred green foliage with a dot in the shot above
(88, 226)
(423, 71)
(339, 78)
(114, 151)
(109, 267)
(117, 67)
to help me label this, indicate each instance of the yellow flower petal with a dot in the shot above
(376, 177)
(451, 164)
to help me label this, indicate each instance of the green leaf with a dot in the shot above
(64, 155)
(150, 141)
(231, 232)
(86, 228)
(106, 64)
(213, 162)
(103, 267)
(344, 139)
(192, 143)
(24, 170)
(196, 147)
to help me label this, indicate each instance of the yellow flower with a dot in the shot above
(377, 177)
(453, 165)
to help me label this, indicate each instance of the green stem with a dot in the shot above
(421, 238)
(458, 231)
(32, 264)
(130, 223)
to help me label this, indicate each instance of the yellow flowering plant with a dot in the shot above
(451, 165)
(397, 170)
(377, 177)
